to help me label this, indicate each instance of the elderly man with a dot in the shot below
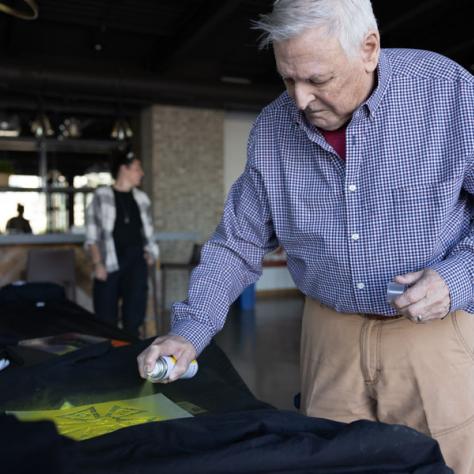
(363, 171)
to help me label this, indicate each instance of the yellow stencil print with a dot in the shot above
(122, 413)
(88, 421)
(86, 415)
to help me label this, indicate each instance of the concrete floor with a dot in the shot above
(263, 346)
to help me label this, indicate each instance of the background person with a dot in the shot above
(363, 171)
(119, 236)
(18, 224)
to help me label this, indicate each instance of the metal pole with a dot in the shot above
(43, 174)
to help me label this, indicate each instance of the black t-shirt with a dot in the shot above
(128, 229)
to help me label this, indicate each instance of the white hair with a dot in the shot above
(347, 20)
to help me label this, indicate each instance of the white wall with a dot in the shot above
(236, 131)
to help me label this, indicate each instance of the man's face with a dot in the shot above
(324, 83)
(134, 172)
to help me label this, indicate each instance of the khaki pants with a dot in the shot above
(394, 371)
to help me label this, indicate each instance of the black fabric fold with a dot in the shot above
(258, 441)
(262, 441)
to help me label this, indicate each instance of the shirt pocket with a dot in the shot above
(421, 218)
(420, 203)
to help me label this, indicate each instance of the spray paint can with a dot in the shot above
(394, 290)
(163, 367)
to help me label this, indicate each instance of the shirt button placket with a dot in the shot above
(352, 203)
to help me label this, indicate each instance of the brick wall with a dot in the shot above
(182, 151)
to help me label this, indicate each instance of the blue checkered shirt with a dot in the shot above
(400, 202)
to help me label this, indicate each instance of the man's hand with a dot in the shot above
(168, 345)
(100, 272)
(426, 299)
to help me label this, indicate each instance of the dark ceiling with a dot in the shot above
(90, 55)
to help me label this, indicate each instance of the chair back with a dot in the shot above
(53, 265)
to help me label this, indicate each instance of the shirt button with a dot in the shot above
(360, 286)
(355, 236)
(352, 187)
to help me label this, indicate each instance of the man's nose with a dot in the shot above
(302, 95)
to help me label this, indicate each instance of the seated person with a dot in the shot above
(18, 224)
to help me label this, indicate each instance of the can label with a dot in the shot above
(164, 366)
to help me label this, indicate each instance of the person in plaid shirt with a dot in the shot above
(120, 240)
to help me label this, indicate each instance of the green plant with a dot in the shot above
(6, 167)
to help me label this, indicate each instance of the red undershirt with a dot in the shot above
(337, 139)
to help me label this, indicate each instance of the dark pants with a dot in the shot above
(128, 284)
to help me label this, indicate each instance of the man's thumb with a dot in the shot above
(409, 278)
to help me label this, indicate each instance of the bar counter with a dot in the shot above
(71, 238)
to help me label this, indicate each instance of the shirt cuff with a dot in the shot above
(455, 273)
(196, 333)
(88, 242)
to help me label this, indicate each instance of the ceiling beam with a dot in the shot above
(144, 90)
(56, 103)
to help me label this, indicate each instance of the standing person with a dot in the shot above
(119, 236)
(363, 171)
(18, 224)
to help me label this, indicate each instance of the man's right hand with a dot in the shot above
(100, 272)
(169, 345)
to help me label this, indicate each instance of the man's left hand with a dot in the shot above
(426, 299)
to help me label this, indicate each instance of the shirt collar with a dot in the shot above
(384, 75)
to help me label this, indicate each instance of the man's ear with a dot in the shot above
(370, 51)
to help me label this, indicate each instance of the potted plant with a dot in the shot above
(6, 169)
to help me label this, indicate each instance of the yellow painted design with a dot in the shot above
(88, 421)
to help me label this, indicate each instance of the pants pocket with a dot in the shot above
(463, 324)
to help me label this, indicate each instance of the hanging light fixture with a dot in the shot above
(121, 130)
(31, 12)
(41, 126)
(70, 128)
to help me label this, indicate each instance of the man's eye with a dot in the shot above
(318, 82)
